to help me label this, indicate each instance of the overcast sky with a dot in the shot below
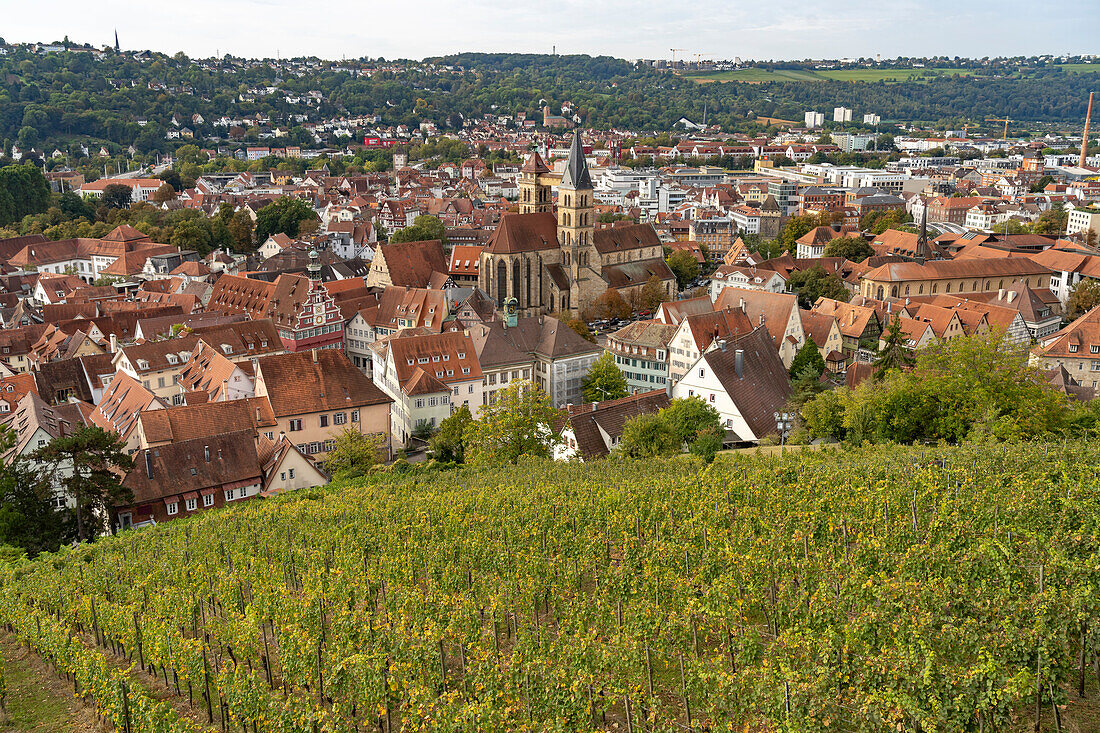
(624, 28)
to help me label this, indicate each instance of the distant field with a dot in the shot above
(888, 74)
(754, 75)
(1081, 68)
(760, 75)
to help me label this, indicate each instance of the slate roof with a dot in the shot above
(762, 388)
(576, 175)
(589, 420)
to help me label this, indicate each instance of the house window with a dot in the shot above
(208, 500)
(355, 415)
(295, 425)
(1073, 348)
(229, 494)
(712, 397)
(282, 476)
(191, 504)
(270, 435)
(418, 402)
(290, 473)
(173, 508)
(324, 421)
(339, 418)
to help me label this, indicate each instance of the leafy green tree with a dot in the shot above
(579, 327)
(649, 436)
(805, 386)
(283, 216)
(1051, 222)
(809, 356)
(652, 294)
(23, 191)
(354, 453)
(609, 305)
(1042, 183)
(520, 422)
(973, 387)
(815, 283)
(28, 138)
(192, 234)
(707, 445)
(856, 249)
(116, 196)
(691, 417)
(604, 381)
(424, 228)
(895, 352)
(1085, 297)
(28, 517)
(799, 225)
(684, 266)
(240, 231)
(74, 207)
(164, 194)
(449, 442)
(95, 457)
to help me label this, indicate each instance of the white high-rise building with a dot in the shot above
(815, 119)
(871, 119)
(842, 114)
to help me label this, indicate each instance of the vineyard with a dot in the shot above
(934, 589)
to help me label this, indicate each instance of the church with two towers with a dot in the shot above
(554, 259)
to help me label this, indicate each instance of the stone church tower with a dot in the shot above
(575, 223)
(534, 191)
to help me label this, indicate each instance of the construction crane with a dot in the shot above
(1000, 119)
(699, 59)
(674, 50)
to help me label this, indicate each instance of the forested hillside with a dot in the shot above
(934, 589)
(63, 98)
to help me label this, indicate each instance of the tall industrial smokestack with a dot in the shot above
(1085, 136)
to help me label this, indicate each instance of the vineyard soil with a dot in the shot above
(39, 702)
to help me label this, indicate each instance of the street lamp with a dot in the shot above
(784, 421)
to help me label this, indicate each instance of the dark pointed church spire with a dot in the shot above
(117, 48)
(576, 168)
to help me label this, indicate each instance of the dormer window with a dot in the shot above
(142, 364)
(422, 360)
(172, 358)
(227, 349)
(462, 355)
(446, 357)
(1094, 349)
(411, 362)
(1073, 348)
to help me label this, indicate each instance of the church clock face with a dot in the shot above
(510, 306)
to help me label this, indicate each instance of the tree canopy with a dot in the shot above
(964, 388)
(519, 422)
(604, 381)
(283, 216)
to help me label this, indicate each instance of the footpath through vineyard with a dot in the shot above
(936, 589)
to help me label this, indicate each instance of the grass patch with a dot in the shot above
(38, 702)
(1080, 68)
